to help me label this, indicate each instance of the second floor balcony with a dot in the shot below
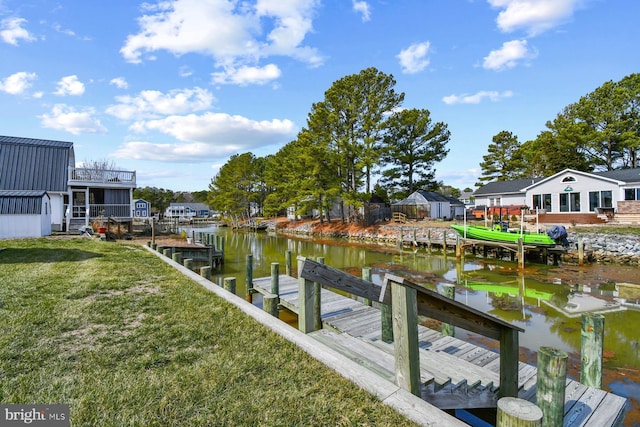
(102, 177)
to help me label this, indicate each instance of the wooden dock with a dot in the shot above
(453, 374)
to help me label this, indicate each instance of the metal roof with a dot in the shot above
(21, 202)
(34, 164)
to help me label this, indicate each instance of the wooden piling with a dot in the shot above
(206, 272)
(458, 249)
(167, 252)
(366, 275)
(188, 263)
(515, 412)
(520, 253)
(287, 263)
(550, 385)
(405, 329)
(249, 279)
(306, 297)
(275, 278)
(317, 294)
(177, 257)
(448, 291)
(591, 350)
(270, 304)
(580, 251)
(229, 284)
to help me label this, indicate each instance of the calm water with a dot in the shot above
(546, 301)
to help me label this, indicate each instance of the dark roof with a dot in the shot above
(626, 175)
(21, 202)
(505, 187)
(34, 164)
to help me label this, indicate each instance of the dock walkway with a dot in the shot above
(446, 363)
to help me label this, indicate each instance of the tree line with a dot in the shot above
(357, 133)
(599, 132)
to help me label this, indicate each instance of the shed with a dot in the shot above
(142, 208)
(429, 205)
(24, 214)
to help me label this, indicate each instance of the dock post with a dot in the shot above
(317, 293)
(515, 412)
(429, 240)
(167, 252)
(550, 385)
(275, 279)
(270, 304)
(458, 251)
(520, 253)
(229, 284)
(580, 251)
(249, 279)
(287, 263)
(366, 275)
(444, 242)
(400, 240)
(206, 272)
(415, 238)
(177, 257)
(591, 350)
(306, 290)
(405, 329)
(448, 291)
(188, 263)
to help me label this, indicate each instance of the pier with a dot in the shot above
(452, 374)
(423, 373)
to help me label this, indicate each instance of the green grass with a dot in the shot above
(607, 229)
(126, 340)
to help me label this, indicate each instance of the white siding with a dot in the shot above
(583, 185)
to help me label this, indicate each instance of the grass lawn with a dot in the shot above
(126, 340)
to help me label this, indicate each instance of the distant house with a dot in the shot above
(186, 211)
(24, 214)
(568, 191)
(142, 208)
(76, 196)
(429, 205)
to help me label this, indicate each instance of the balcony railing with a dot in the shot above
(102, 176)
(105, 211)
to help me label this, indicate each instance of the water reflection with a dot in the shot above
(546, 301)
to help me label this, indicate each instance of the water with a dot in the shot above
(546, 301)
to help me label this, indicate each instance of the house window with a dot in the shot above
(570, 202)
(568, 179)
(542, 201)
(600, 199)
(632, 193)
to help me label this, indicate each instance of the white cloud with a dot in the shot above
(414, 58)
(234, 36)
(207, 136)
(76, 122)
(17, 83)
(533, 16)
(508, 55)
(476, 98)
(12, 32)
(362, 7)
(70, 85)
(119, 82)
(153, 103)
(247, 75)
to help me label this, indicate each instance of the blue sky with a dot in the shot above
(172, 89)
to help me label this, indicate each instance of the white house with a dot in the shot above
(568, 191)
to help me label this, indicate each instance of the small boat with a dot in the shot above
(500, 233)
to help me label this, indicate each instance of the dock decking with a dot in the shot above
(446, 363)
